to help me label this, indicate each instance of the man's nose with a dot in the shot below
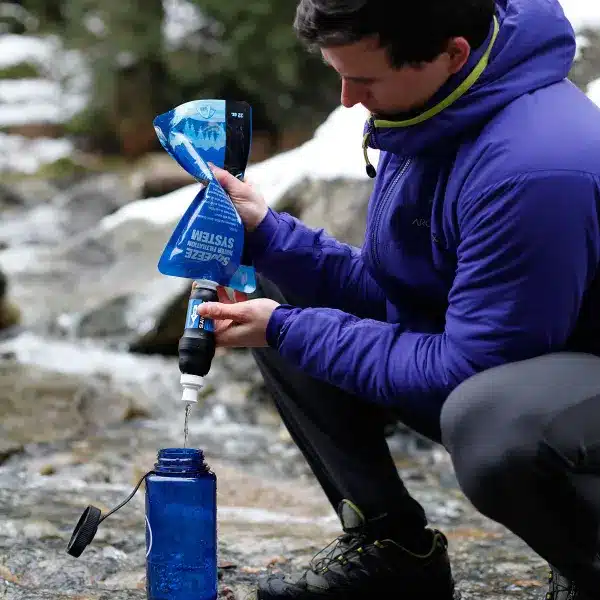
(351, 95)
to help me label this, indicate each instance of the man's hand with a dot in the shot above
(251, 206)
(240, 324)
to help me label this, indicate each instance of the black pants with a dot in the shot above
(524, 440)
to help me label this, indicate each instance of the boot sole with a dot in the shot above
(455, 595)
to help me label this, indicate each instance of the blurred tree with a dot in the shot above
(146, 56)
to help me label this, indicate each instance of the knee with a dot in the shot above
(478, 432)
(466, 411)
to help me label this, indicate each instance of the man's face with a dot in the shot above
(369, 79)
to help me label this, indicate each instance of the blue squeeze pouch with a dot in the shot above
(208, 242)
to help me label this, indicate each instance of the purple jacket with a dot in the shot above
(483, 241)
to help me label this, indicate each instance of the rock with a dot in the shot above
(31, 191)
(68, 213)
(158, 174)
(130, 309)
(587, 65)
(10, 315)
(89, 201)
(52, 389)
(338, 206)
(38, 405)
(10, 198)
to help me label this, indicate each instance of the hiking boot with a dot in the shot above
(357, 566)
(561, 588)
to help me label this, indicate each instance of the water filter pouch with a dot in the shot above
(208, 241)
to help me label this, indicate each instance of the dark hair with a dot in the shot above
(412, 31)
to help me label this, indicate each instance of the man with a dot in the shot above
(480, 330)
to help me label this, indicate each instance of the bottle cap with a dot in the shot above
(85, 531)
(192, 384)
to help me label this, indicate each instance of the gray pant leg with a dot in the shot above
(525, 443)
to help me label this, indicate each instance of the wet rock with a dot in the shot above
(587, 64)
(50, 389)
(158, 174)
(10, 198)
(338, 206)
(33, 191)
(10, 315)
(68, 212)
(273, 516)
(87, 202)
(39, 405)
(131, 307)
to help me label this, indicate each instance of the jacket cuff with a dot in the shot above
(260, 239)
(276, 323)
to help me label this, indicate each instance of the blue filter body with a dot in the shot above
(181, 527)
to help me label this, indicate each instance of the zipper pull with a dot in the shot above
(371, 172)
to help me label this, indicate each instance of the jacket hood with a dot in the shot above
(531, 44)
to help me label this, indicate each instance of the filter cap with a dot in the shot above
(192, 384)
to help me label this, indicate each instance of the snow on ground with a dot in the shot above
(24, 155)
(16, 49)
(593, 91)
(582, 13)
(13, 91)
(37, 101)
(55, 96)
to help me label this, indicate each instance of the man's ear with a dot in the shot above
(458, 50)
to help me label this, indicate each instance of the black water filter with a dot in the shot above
(197, 344)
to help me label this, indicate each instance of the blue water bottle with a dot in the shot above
(181, 527)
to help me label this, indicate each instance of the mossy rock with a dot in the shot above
(20, 71)
(10, 314)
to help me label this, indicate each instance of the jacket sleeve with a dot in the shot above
(529, 250)
(314, 266)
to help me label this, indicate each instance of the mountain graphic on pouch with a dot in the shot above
(205, 134)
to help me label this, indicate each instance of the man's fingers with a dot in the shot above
(235, 337)
(220, 310)
(229, 183)
(222, 326)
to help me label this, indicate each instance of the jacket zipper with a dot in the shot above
(383, 204)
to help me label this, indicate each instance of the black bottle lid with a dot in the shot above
(85, 530)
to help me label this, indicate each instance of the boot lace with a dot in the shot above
(558, 584)
(337, 551)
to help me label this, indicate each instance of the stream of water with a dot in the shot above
(188, 408)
